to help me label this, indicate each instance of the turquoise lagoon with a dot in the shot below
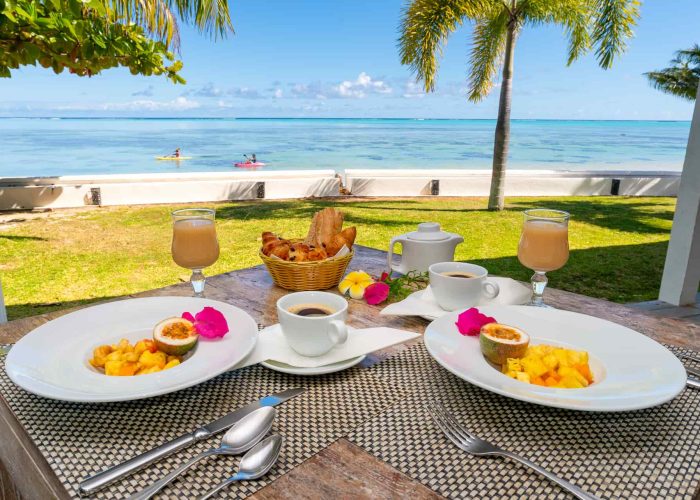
(78, 146)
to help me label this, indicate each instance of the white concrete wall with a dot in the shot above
(135, 189)
(518, 182)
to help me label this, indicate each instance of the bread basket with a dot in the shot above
(303, 276)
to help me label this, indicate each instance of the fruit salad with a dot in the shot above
(124, 359)
(551, 366)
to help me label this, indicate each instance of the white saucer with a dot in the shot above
(321, 370)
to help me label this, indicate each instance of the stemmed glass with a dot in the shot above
(544, 246)
(195, 245)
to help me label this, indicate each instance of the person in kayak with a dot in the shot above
(176, 154)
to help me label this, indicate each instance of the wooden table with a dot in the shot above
(340, 470)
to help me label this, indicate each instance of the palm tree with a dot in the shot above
(602, 25)
(681, 79)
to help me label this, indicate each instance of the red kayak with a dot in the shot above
(243, 164)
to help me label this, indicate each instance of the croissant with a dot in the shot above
(274, 245)
(281, 250)
(345, 238)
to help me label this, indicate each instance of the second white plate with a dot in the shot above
(631, 371)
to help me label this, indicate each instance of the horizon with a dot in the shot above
(231, 118)
(347, 66)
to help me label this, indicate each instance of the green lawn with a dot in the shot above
(71, 257)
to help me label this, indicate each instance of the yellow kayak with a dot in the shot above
(173, 158)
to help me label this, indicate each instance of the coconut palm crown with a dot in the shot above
(602, 26)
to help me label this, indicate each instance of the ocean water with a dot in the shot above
(73, 146)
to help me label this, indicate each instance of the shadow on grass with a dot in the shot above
(12, 237)
(620, 214)
(16, 311)
(629, 217)
(628, 273)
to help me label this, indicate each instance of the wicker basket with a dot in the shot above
(315, 275)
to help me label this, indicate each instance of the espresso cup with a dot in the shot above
(454, 293)
(313, 335)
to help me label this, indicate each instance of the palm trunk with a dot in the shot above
(502, 139)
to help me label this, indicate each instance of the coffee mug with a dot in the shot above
(453, 292)
(319, 332)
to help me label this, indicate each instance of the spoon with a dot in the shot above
(254, 464)
(241, 437)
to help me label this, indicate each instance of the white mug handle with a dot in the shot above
(337, 332)
(390, 257)
(491, 289)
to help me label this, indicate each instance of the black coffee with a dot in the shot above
(458, 274)
(311, 310)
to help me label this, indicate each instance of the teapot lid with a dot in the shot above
(428, 231)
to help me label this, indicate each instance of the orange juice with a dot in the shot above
(194, 243)
(544, 245)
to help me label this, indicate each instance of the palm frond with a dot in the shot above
(573, 15)
(487, 53)
(425, 28)
(682, 78)
(612, 26)
(158, 17)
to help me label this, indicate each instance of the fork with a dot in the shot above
(476, 446)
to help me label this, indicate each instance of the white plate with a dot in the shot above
(631, 371)
(321, 370)
(52, 360)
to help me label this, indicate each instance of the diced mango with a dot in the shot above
(171, 363)
(551, 366)
(149, 359)
(533, 366)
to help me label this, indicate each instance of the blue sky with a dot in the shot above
(320, 58)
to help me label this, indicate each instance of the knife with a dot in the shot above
(108, 476)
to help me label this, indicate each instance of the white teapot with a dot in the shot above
(423, 248)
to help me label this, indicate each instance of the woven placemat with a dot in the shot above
(644, 454)
(79, 440)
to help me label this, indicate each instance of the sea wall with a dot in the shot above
(518, 183)
(21, 193)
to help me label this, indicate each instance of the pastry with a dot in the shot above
(273, 245)
(325, 239)
(298, 252)
(345, 238)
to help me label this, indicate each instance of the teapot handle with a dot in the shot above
(390, 256)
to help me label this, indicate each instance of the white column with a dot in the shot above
(679, 285)
(3, 312)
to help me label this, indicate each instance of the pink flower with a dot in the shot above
(385, 276)
(208, 322)
(470, 322)
(376, 293)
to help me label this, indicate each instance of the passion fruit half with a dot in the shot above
(175, 336)
(499, 342)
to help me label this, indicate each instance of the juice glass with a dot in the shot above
(544, 246)
(195, 245)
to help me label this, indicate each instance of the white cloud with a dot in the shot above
(177, 104)
(147, 92)
(244, 93)
(413, 90)
(360, 88)
(278, 94)
(208, 90)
